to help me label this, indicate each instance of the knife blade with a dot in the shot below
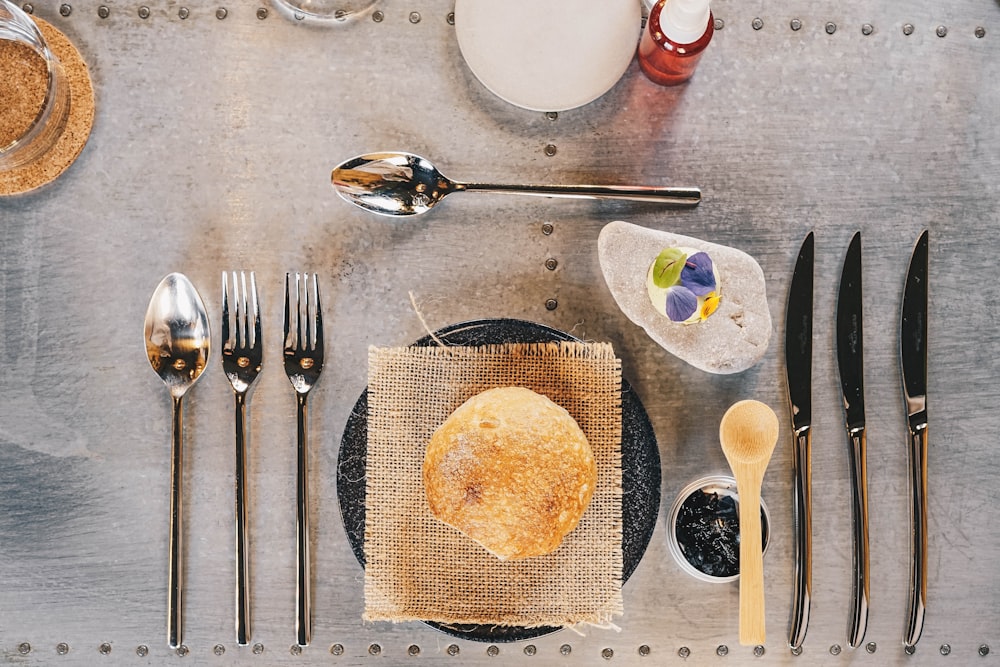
(798, 373)
(850, 361)
(913, 358)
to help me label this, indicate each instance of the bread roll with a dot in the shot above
(511, 470)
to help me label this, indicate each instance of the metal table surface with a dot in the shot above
(212, 148)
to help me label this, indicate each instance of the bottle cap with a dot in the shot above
(684, 21)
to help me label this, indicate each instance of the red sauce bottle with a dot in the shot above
(677, 32)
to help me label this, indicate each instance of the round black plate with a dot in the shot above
(640, 466)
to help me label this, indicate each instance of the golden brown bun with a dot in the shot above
(512, 470)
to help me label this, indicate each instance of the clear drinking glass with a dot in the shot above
(35, 91)
(325, 10)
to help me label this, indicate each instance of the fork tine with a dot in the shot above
(306, 311)
(318, 346)
(288, 331)
(239, 302)
(247, 342)
(225, 310)
(256, 311)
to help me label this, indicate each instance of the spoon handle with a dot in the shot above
(751, 559)
(175, 588)
(672, 196)
(303, 594)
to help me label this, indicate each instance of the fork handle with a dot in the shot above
(303, 592)
(242, 540)
(175, 587)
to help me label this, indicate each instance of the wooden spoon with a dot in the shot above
(748, 433)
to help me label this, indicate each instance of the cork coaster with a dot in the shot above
(78, 124)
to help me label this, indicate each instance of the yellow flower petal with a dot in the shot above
(710, 304)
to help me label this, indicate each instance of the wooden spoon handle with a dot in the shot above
(751, 561)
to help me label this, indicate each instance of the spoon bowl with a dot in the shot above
(401, 184)
(748, 433)
(177, 346)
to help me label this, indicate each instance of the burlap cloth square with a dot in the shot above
(418, 568)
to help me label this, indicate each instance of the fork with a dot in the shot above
(303, 351)
(241, 360)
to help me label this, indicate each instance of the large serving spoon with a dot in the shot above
(748, 433)
(406, 184)
(177, 345)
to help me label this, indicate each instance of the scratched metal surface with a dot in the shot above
(211, 150)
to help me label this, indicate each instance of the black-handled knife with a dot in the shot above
(913, 357)
(850, 360)
(798, 372)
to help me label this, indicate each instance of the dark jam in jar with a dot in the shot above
(708, 531)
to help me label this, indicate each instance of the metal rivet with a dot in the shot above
(452, 649)
(871, 647)
(181, 650)
(413, 649)
(721, 650)
(607, 653)
(62, 648)
(796, 24)
(24, 648)
(984, 650)
(830, 27)
(295, 649)
(719, 24)
(144, 12)
(142, 650)
(565, 649)
(492, 651)
(757, 24)
(551, 263)
(552, 304)
(552, 115)
(909, 649)
(945, 649)
(28, 8)
(262, 13)
(450, 18)
(258, 649)
(942, 31)
(547, 228)
(374, 649)
(414, 17)
(378, 16)
(644, 650)
(65, 9)
(336, 649)
(530, 649)
(980, 32)
(867, 29)
(550, 149)
(221, 13)
(103, 12)
(105, 648)
(183, 13)
(907, 28)
(684, 652)
(796, 650)
(219, 649)
(835, 649)
(758, 651)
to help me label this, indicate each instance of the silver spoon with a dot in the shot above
(407, 184)
(177, 346)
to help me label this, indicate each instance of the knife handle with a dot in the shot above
(918, 516)
(858, 623)
(802, 508)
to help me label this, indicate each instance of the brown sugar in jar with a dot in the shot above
(23, 85)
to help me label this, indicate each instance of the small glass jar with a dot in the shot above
(36, 91)
(703, 530)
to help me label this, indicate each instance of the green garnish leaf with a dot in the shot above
(667, 267)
